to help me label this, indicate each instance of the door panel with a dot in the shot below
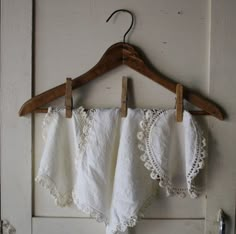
(191, 41)
(16, 133)
(71, 226)
(221, 189)
(77, 30)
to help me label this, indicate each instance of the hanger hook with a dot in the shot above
(132, 21)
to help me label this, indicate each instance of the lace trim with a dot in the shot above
(157, 173)
(86, 120)
(60, 199)
(130, 222)
(89, 210)
(49, 117)
(133, 219)
(68, 198)
(198, 163)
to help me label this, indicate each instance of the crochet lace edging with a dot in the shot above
(156, 172)
(89, 210)
(85, 118)
(133, 219)
(69, 198)
(198, 163)
(47, 183)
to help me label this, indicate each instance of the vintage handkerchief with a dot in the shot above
(79, 157)
(57, 166)
(173, 152)
(133, 189)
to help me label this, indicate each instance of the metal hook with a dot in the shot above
(132, 21)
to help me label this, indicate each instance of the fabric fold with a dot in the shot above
(95, 171)
(133, 190)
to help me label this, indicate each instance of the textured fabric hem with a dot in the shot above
(89, 210)
(67, 199)
(60, 200)
(156, 172)
(132, 220)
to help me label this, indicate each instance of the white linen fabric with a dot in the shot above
(96, 167)
(57, 167)
(92, 160)
(173, 152)
(79, 157)
(133, 189)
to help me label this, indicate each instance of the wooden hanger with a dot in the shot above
(118, 54)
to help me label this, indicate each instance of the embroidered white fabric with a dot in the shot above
(92, 160)
(169, 148)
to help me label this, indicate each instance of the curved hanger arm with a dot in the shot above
(191, 96)
(116, 55)
(112, 58)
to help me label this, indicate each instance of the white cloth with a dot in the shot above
(174, 152)
(57, 167)
(133, 189)
(79, 157)
(96, 167)
(92, 160)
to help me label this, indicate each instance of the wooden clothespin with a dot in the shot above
(179, 102)
(124, 96)
(68, 98)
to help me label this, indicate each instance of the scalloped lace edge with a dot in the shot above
(69, 199)
(89, 210)
(47, 183)
(156, 171)
(133, 219)
(86, 119)
(197, 165)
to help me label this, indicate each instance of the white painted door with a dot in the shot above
(191, 41)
